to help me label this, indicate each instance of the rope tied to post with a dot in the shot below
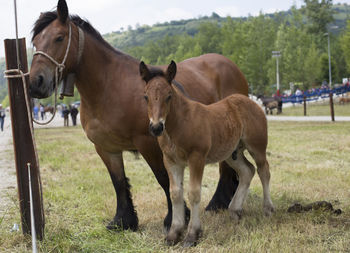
(17, 73)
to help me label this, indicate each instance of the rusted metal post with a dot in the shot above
(331, 105)
(304, 105)
(23, 141)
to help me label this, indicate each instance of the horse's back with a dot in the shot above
(211, 77)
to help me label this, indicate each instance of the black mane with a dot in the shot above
(154, 71)
(47, 17)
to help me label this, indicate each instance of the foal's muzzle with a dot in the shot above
(156, 129)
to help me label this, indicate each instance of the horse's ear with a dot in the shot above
(171, 72)
(144, 72)
(62, 11)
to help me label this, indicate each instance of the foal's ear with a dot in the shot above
(62, 11)
(144, 72)
(171, 72)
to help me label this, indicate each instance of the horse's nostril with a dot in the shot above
(40, 80)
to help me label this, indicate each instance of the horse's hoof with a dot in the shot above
(118, 224)
(236, 215)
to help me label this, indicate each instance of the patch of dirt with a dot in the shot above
(8, 185)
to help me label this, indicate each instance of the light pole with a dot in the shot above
(330, 73)
(329, 61)
(277, 54)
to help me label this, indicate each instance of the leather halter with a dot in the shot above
(60, 66)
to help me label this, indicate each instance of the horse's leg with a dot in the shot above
(245, 171)
(176, 175)
(225, 190)
(196, 163)
(151, 152)
(125, 217)
(264, 174)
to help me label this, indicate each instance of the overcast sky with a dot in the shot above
(110, 15)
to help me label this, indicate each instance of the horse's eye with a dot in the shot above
(168, 98)
(59, 39)
(146, 98)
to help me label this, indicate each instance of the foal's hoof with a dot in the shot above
(236, 215)
(191, 240)
(268, 210)
(173, 238)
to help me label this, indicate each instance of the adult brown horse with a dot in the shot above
(193, 134)
(113, 116)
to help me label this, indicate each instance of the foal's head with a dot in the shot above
(158, 94)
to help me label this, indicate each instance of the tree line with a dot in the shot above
(299, 34)
(301, 37)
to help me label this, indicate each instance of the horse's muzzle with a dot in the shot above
(156, 129)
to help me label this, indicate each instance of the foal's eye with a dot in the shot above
(146, 98)
(168, 98)
(59, 39)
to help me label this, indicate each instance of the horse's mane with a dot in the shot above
(47, 17)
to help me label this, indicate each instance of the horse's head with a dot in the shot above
(56, 40)
(158, 94)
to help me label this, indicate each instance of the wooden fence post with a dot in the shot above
(304, 105)
(331, 104)
(23, 141)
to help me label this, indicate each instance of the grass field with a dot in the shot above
(317, 109)
(309, 162)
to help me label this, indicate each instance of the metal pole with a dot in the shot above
(329, 63)
(330, 79)
(32, 219)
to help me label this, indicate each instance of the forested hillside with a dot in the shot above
(298, 33)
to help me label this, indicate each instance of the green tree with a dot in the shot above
(319, 15)
(345, 45)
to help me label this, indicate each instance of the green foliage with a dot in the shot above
(345, 45)
(319, 15)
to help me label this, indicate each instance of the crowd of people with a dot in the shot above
(73, 111)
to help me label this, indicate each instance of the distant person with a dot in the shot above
(2, 117)
(42, 111)
(73, 113)
(36, 112)
(65, 114)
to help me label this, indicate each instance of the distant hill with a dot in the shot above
(142, 34)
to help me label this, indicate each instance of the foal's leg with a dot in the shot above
(196, 164)
(264, 174)
(176, 175)
(125, 217)
(245, 171)
(150, 150)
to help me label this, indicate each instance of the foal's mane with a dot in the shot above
(47, 17)
(154, 71)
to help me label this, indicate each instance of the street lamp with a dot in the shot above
(277, 54)
(330, 73)
(329, 57)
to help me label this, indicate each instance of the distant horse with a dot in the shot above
(271, 103)
(344, 100)
(109, 84)
(270, 106)
(49, 109)
(190, 133)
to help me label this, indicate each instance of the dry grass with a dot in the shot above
(309, 162)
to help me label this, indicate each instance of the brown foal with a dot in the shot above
(194, 134)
